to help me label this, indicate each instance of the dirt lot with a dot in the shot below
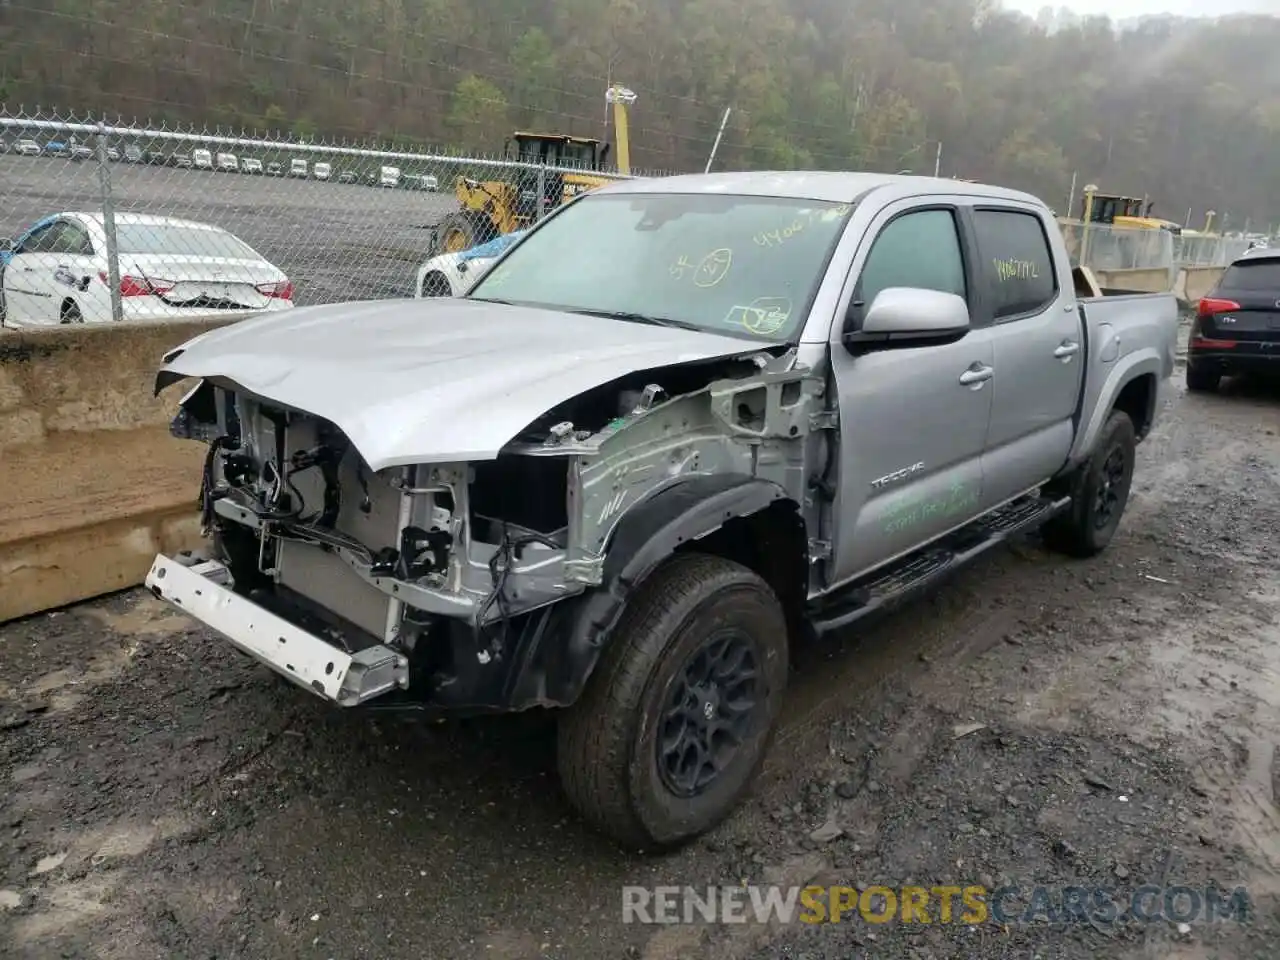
(165, 799)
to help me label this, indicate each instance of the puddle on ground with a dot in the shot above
(65, 907)
(66, 688)
(146, 617)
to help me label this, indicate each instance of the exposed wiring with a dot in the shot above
(499, 569)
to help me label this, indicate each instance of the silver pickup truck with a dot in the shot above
(676, 429)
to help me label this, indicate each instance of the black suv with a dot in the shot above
(1237, 325)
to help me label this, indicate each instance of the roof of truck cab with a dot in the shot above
(836, 187)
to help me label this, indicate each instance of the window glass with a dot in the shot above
(744, 266)
(178, 240)
(70, 238)
(1261, 275)
(1016, 262)
(920, 250)
(39, 240)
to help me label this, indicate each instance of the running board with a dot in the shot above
(917, 571)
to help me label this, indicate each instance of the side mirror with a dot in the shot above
(902, 317)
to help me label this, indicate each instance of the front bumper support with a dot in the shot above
(196, 587)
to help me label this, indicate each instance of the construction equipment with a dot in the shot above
(1121, 211)
(492, 208)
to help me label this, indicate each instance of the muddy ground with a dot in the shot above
(1038, 721)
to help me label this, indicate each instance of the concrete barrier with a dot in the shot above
(1141, 280)
(91, 482)
(1189, 283)
(1194, 283)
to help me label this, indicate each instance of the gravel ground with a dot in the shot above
(336, 241)
(1037, 721)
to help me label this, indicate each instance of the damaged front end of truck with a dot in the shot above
(417, 579)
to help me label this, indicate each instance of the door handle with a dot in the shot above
(1066, 350)
(977, 375)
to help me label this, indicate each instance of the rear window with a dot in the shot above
(1015, 261)
(1255, 275)
(180, 241)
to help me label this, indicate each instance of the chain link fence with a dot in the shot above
(102, 221)
(1208, 250)
(1106, 248)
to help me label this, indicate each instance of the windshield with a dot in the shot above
(140, 238)
(736, 265)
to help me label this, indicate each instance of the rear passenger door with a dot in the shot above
(1037, 338)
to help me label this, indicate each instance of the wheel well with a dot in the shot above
(774, 544)
(436, 284)
(1138, 400)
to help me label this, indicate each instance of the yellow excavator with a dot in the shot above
(1121, 211)
(491, 208)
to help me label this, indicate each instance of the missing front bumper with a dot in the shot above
(347, 679)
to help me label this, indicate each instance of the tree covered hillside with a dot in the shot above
(1187, 112)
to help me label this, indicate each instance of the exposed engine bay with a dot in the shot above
(459, 565)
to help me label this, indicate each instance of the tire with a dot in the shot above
(1200, 380)
(611, 762)
(70, 313)
(460, 231)
(1099, 493)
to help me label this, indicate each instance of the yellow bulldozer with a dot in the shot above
(490, 208)
(1120, 211)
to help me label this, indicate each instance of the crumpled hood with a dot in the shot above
(433, 380)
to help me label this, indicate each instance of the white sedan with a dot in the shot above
(56, 272)
(453, 274)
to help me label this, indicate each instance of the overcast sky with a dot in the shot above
(1119, 9)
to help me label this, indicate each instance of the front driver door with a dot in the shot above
(913, 421)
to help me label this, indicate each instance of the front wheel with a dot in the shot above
(462, 230)
(675, 722)
(70, 313)
(1099, 494)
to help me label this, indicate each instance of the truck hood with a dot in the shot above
(437, 380)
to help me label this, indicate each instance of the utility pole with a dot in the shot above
(937, 161)
(719, 133)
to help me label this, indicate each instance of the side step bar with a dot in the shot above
(915, 572)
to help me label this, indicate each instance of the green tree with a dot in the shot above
(478, 115)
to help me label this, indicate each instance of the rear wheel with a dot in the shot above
(460, 231)
(1200, 380)
(1099, 494)
(70, 313)
(675, 722)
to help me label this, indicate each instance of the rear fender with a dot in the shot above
(1142, 362)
